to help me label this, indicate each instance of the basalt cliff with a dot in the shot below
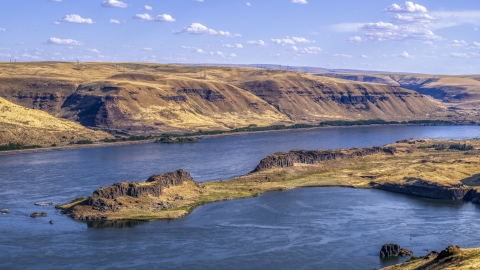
(154, 99)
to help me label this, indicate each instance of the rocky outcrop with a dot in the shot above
(281, 159)
(5, 211)
(422, 188)
(394, 250)
(449, 251)
(38, 214)
(103, 199)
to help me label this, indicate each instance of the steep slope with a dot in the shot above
(463, 91)
(35, 127)
(153, 99)
(306, 98)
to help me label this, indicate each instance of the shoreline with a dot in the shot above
(243, 133)
(442, 177)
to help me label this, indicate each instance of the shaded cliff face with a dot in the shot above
(422, 188)
(281, 159)
(310, 99)
(464, 90)
(154, 99)
(34, 127)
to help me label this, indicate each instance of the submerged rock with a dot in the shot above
(5, 211)
(38, 214)
(43, 203)
(394, 250)
(51, 222)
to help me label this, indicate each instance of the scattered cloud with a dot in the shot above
(355, 39)
(458, 43)
(346, 27)
(408, 7)
(59, 41)
(199, 29)
(201, 1)
(147, 7)
(3, 29)
(114, 3)
(464, 55)
(291, 40)
(364, 56)
(238, 46)
(342, 55)
(147, 49)
(299, 1)
(307, 50)
(428, 43)
(248, 4)
(158, 18)
(404, 55)
(256, 42)
(114, 21)
(476, 44)
(92, 50)
(74, 18)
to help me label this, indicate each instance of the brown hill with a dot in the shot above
(153, 98)
(35, 127)
(459, 91)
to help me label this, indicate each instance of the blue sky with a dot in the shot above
(427, 36)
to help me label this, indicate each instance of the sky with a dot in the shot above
(425, 36)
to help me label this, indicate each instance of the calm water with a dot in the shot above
(316, 228)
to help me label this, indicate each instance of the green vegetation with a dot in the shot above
(84, 142)
(17, 146)
(177, 140)
(453, 146)
(358, 123)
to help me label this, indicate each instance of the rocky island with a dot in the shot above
(426, 168)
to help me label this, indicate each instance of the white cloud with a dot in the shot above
(307, 50)
(114, 3)
(404, 55)
(3, 29)
(238, 46)
(158, 18)
(464, 55)
(408, 7)
(445, 19)
(201, 1)
(428, 43)
(147, 49)
(114, 21)
(299, 1)
(291, 40)
(147, 7)
(199, 29)
(342, 55)
(355, 39)
(382, 31)
(59, 41)
(256, 42)
(346, 27)
(74, 18)
(458, 43)
(92, 50)
(476, 44)
(248, 4)
(364, 56)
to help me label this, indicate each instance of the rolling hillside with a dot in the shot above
(35, 127)
(153, 98)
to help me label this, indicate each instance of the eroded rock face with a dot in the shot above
(103, 199)
(449, 251)
(394, 250)
(423, 188)
(281, 159)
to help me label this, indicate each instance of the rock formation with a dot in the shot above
(281, 159)
(422, 188)
(112, 198)
(394, 250)
(38, 214)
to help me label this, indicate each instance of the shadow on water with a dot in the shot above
(119, 224)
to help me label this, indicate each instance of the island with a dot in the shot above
(438, 169)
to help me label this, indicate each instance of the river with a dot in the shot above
(309, 228)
